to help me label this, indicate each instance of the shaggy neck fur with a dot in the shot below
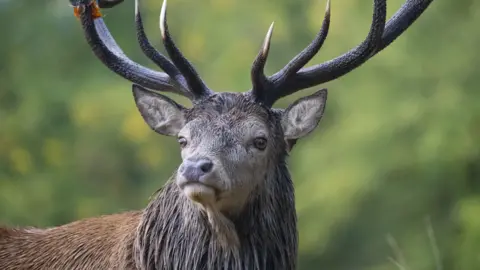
(175, 234)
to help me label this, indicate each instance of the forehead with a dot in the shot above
(231, 109)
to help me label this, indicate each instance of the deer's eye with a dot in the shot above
(182, 141)
(260, 143)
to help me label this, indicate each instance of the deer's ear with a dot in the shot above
(303, 116)
(161, 113)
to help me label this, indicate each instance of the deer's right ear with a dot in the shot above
(161, 113)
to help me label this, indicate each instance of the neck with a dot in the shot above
(176, 234)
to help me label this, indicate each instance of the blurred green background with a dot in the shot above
(392, 175)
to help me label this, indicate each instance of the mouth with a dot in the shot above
(199, 192)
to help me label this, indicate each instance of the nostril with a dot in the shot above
(206, 166)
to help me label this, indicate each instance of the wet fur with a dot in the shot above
(172, 232)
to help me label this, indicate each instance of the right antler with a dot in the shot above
(293, 77)
(180, 76)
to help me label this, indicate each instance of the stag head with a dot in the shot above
(230, 141)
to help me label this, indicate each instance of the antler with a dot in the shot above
(293, 77)
(186, 68)
(108, 3)
(180, 76)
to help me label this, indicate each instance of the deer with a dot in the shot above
(231, 202)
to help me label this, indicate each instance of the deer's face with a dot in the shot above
(228, 142)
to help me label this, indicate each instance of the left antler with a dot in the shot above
(180, 76)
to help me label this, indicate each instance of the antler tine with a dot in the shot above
(347, 62)
(301, 59)
(337, 67)
(154, 55)
(107, 50)
(402, 19)
(259, 80)
(195, 83)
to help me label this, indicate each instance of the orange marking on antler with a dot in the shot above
(96, 13)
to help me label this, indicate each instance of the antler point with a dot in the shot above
(137, 9)
(266, 43)
(163, 15)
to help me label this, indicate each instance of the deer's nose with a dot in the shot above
(194, 170)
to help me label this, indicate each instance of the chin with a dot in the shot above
(200, 193)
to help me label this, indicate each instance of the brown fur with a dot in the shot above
(96, 243)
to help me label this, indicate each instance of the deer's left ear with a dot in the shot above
(161, 113)
(303, 116)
